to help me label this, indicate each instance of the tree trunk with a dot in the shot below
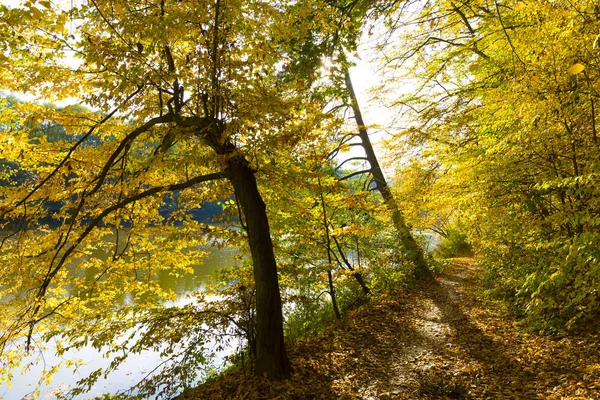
(357, 275)
(271, 357)
(336, 310)
(359, 278)
(413, 251)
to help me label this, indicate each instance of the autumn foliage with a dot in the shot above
(122, 119)
(504, 127)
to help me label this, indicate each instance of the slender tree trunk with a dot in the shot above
(359, 278)
(413, 250)
(336, 310)
(271, 356)
(357, 275)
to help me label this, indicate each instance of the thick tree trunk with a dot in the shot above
(271, 357)
(413, 251)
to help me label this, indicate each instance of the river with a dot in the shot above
(137, 365)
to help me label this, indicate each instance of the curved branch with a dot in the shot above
(366, 171)
(73, 148)
(124, 143)
(344, 141)
(350, 159)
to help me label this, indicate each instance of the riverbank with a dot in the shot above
(440, 340)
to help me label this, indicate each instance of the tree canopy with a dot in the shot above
(185, 103)
(249, 104)
(504, 113)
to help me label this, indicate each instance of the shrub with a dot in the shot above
(455, 244)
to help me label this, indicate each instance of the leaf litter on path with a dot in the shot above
(438, 341)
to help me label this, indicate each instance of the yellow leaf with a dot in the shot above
(575, 68)
(519, 6)
(35, 13)
(118, 8)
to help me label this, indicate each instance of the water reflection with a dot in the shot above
(137, 365)
(204, 273)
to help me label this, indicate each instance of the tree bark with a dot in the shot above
(413, 251)
(271, 356)
(336, 310)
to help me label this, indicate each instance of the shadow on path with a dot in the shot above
(498, 370)
(437, 341)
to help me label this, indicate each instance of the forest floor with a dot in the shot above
(440, 340)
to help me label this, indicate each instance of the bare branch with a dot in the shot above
(351, 159)
(366, 171)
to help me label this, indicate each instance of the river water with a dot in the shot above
(137, 365)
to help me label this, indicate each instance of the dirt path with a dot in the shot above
(438, 341)
(441, 342)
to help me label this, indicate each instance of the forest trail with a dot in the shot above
(441, 341)
(437, 341)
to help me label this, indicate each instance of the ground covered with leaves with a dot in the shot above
(440, 340)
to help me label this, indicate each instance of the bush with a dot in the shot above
(455, 244)
(553, 287)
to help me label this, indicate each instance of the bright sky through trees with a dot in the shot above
(150, 111)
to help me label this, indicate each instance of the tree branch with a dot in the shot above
(53, 270)
(366, 171)
(350, 159)
(72, 149)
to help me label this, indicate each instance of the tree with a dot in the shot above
(186, 103)
(310, 206)
(355, 16)
(505, 109)
(185, 96)
(413, 251)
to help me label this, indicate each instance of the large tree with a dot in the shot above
(185, 97)
(413, 251)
